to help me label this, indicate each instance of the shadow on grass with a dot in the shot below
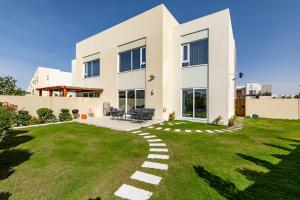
(10, 157)
(282, 181)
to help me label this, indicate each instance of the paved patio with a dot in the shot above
(120, 125)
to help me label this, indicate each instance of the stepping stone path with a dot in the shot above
(230, 129)
(131, 192)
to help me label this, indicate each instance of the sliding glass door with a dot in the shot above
(194, 103)
(131, 99)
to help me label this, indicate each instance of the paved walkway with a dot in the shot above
(120, 125)
(158, 153)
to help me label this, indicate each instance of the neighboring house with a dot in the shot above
(254, 89)
(45, 77)
(153, 61)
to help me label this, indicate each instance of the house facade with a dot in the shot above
(45, 77)
(153, 61)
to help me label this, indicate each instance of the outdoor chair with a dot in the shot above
(116, 113)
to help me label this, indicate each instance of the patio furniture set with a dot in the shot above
(137, 115)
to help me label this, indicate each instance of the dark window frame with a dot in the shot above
(187, 62)
(141, 59)
(89, 73)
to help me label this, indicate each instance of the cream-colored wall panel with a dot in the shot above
(194, 36)
(132, 80)
(91, 57)
(192, 77)
(132, 45)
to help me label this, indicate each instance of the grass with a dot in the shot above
(74, 161)
(261, 161)
(67, 161)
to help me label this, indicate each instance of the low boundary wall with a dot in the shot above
(274, 108)
(32, 103)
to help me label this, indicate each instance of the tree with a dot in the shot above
(8, 86)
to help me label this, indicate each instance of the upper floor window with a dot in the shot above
(195, 53)
(133, 59)
(92, 68)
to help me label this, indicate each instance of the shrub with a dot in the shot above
(218, 121)
(172, 116)
(34, 120)
(64, 115)
(23, 118)
(6, 121)
(45, 115)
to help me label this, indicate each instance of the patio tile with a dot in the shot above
(154, 140)
(144, 134)
(158, 156)
(157, 144)
(149, 136)
(158, 150)
(155, 165)
(132, 193)
(145, 177)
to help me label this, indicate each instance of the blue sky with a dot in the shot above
(44, 33)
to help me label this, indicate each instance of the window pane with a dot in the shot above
(140, 98)
(122, 98)
(136, 59)
(185, 52)
(125, 61)
(85, 70)
(187, 103)
(199, 52)
(200, 103)
(89, 72)
(144, 54)
(130, 100)
(96, 67)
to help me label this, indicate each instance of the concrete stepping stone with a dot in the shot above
(158, 150)
(158, 128)
(209, 131)
(161, 124)
(132, 193)
(155, 165)
(149, 136)
(177, 123)
(220, 131)
(171, 124)
(136, 132)
(177, 130)
(154, 140)
(157, 144)
(158, 156)
(145, 177)
(188, 131)
(167, 129)
(150, 127)
(144, 134)
(198, 131)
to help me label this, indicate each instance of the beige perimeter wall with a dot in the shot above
(274, 108)
(32, 103)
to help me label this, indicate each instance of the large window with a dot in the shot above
(195, 53)
(92, 68)
(132, 59)
(131, 99)
(194, 103)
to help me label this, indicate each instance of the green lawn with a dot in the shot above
(68, 161)
(74, 161)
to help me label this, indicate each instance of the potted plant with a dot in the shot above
(75, 113)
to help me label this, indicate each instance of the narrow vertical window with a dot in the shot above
(143, 57)
(185, 55)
